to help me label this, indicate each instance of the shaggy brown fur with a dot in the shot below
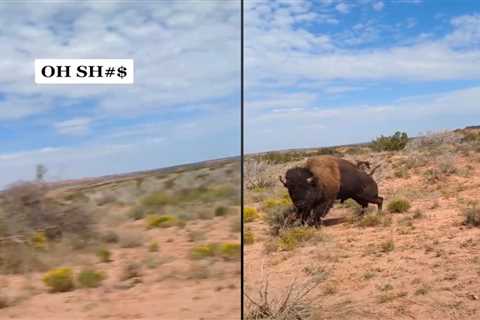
(326, 175)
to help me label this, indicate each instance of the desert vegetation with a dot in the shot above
(172, 235)
(415, 259)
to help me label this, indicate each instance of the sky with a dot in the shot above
(184, 106)
(331, 72)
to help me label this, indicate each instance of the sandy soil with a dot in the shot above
(166, 292)
(432, 272)
(172, 284)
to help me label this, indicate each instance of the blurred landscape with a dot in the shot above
(162, 244)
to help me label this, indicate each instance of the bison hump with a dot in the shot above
(326, 173)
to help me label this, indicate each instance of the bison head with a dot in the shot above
(301, 188)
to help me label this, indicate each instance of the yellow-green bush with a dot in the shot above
(227, 251)
(39, 241)
(161, 221)
(372, 219)
(90, 278)
(204, 251)
(248, 236)
(230, 251)
(290, 238)
(59, 280)
(271, 203)
(250, 214)
(156, 199)
(136, 213)
(104, 255)
(153, 247)
(399, 206)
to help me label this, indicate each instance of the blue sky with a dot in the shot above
(184, 105)
(329, 72)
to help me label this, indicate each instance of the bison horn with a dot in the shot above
(310, 180)
(282, 181)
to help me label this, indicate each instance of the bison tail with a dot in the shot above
(373, 170)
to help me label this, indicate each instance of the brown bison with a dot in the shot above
(315, 187)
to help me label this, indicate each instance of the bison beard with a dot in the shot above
(314, 189)
(303, 193)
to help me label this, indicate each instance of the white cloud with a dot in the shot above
(283, 100)
(378, 6)
(178, 47)
(341, 89)
(411, 22)
(77, 126)
(343, 7)
(285, 56)
(466, 31)
(130, 148)
(187, 65)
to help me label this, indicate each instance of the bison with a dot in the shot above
(315, 187)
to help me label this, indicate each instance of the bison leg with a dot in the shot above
(321, 211)
(379, 203)
(363, 203)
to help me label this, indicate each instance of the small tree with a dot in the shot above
(40, 172)
(390, 143)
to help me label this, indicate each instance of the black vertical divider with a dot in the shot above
(241, 158)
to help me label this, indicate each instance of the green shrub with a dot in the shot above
(471, 136)
(110, 236)
(399, 206)
(39, 241)
(161, 221)
(156, 199)
(471, 216)
(271, 203)
(248, 236)
(104, 255)
(290, 238)
(221, 211)
(59, 280)
(396, 142)
(151, 262)
(230, 251)
(204, 251)
(227, 251)
(136, 213)
(90, 278)
(351, 204)
(387, 246)
(153, 247)
(370, 220)
(131, 270)
(280, 218)
(250, 214)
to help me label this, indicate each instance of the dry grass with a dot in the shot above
(289, 304)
